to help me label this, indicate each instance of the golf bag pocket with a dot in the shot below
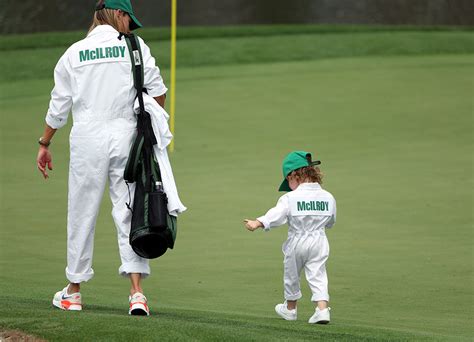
(152, 230)
(158, 210)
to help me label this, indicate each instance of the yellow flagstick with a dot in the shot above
(173, 70)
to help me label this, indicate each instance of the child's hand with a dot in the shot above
(253, 224)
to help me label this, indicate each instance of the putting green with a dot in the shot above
(395, 138)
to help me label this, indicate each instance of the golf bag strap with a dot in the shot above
(131, 169)
(143, 145)
(136, 59)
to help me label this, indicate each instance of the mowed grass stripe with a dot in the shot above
(39, 63)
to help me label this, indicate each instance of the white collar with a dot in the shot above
(102, 29)
(312, 186)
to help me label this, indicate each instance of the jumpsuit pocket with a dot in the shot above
(87, 156)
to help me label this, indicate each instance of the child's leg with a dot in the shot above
(322, 304)
(291, 279)
(315, 270)
(291, 304)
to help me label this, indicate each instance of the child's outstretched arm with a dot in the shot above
(275, 217)
(253, 224)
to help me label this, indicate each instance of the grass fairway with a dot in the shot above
(395, 138)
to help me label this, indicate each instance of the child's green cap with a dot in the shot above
(123, 5)
(294, 161)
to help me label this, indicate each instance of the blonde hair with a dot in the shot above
(105, 16)
(308, 174)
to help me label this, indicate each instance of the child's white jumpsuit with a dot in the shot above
(309, 210)
(94, 79)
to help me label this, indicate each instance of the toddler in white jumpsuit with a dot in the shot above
(308, 210)
(94, 79)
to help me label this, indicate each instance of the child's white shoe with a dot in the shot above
(68, 302)
(320, 316)
(282, 311)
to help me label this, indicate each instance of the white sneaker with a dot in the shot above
(282, 311)
(320, 316)
(138, 305)
(68, 302)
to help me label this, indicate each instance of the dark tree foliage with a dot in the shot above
(58, 15)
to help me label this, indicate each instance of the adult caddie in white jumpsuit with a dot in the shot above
(94, 79)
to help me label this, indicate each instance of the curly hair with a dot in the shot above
(308, 174)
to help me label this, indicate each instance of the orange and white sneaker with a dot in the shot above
(138, 305)
(69, 302)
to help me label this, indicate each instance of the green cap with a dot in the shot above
(125, 6)
(294, 161)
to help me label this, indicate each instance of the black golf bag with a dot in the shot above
(153, 230)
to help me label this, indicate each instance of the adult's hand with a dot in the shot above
(44, 161)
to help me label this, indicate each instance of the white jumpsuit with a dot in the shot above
(309, 210)
(94, 79)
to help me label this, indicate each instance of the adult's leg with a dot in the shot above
(133, 266)
(87, 177)
(135, 279)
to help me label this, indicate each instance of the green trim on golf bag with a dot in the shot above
(153, 230)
